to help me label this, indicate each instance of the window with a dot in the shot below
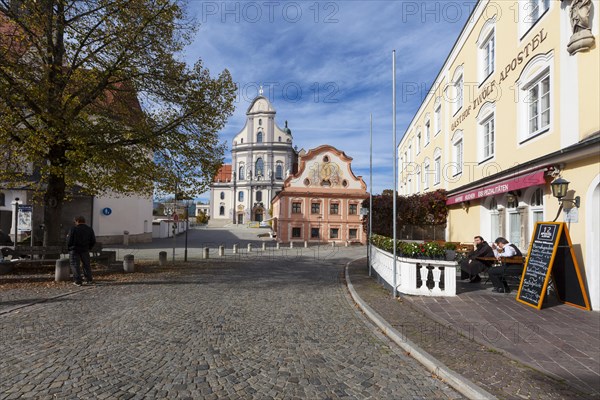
(437, 115)
(457, 152)
(222, 210)
(240, 196)
(333, 233)
(537, 206)
(535, 9)
(314, 233)
(279, 170)
(486, 49)
(241, 172)
(334, 208)
(418, 181)
(222, 195)
(494, 219)
(418, 143)
(279, 138)
(260, 167)
(489, 51)
(426, 175)
(353, 209)
(259, 137)
(296, 207)
(427, 136)
(428, 130)
(353, 233)
(539, 105)
(488, 130)
(259, 122)
(459, 87)
(296, 232)
(315, 208)
(437, 165)
(259, 196)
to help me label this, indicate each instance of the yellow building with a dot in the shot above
(515, 105)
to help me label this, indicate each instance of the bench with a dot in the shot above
(33, 252)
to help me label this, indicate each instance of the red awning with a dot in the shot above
(519, 182)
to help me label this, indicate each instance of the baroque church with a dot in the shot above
(262, 157)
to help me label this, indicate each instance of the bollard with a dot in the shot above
(264, 246)
(128, 265)
(235, 246)
(306, 244)
(61, 270)
(332, 244)
(221, 251)
(205, 253)
(277, 245)
(162, 258)
(291, 245)
(125, 238)
(249, 247)
(347, 243)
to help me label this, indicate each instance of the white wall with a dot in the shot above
(132, 214)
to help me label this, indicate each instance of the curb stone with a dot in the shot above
(456, 381)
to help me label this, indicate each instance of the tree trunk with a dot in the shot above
(53, 205)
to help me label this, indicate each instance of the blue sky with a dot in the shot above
(327, 65)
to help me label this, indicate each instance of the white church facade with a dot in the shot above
(262, 156)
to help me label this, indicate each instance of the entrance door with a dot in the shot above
(240, 219)
(258, 216)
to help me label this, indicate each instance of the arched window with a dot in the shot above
(537, 198)
(222, 210)
(259, 196)
(259, 122)
(259, 137)
(222, 195)
(260, 167)
(241, 172)
(537, 206)
(279, 171)
(240, 196)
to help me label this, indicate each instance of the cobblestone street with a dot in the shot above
(213, 330)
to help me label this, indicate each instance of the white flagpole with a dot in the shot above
(370, 192)
(394, 291)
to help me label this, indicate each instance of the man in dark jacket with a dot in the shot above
(81, 239)
(471, 265)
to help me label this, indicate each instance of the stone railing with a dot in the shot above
(416, 276)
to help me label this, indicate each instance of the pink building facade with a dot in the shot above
(321, 203)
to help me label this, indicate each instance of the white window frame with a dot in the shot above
(487, 36)
(437, 167)
(486, 113)
(456, 88)
(458, 152)
(488, 127)
(418, 180)
(539, 68)
(418, 143)
(437, 116)
(526, 9)
(426, 166)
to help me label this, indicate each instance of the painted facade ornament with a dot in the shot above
(582, 38)
(325, 174)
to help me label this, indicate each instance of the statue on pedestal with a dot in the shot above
(582, 38)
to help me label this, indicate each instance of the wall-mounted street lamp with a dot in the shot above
(560, 187)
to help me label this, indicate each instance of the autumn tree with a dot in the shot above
(96, 94)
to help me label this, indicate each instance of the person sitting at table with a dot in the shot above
(503, 249)
(471, 266)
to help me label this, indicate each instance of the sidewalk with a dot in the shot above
(508, 349)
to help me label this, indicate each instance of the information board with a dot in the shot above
(550, 255)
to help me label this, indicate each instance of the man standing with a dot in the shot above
(471, 266)
(81, 239)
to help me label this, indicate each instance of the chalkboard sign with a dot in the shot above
(551, 254)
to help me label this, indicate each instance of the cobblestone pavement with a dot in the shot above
(261, 329)
(491, 370)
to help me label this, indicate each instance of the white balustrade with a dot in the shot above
(411, 271)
